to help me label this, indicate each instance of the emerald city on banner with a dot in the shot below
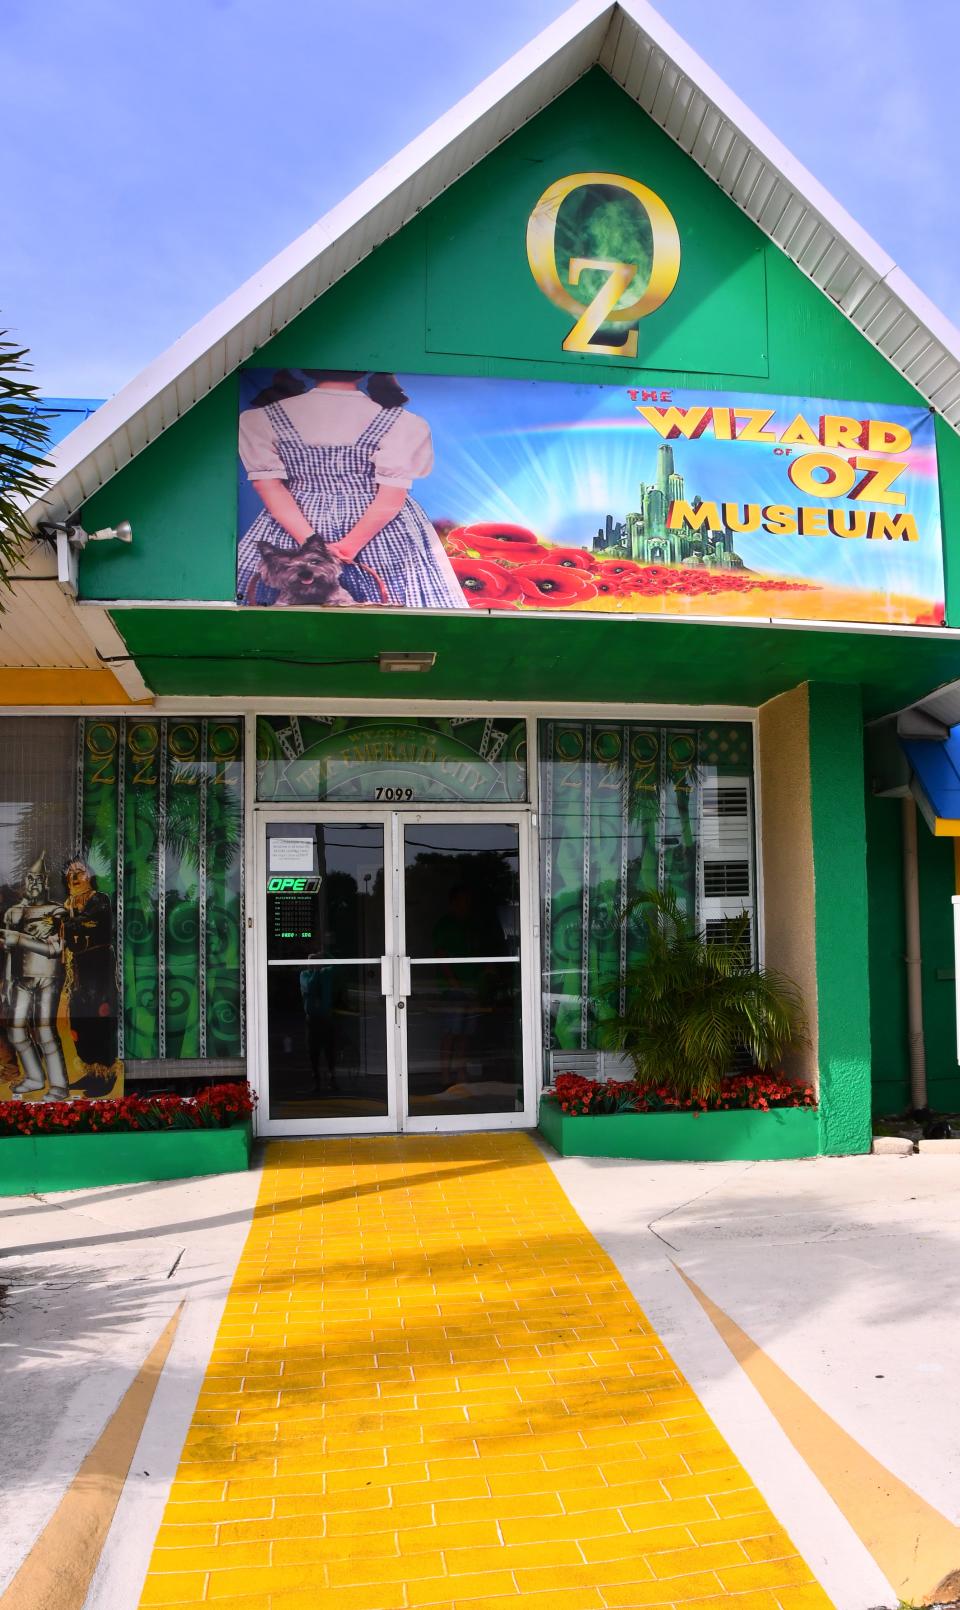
(449, 492)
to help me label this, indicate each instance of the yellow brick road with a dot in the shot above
(432, 1388)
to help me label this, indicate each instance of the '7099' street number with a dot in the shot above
(392, 796)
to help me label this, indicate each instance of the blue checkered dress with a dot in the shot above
(334, 486)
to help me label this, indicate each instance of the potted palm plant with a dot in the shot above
(706, 1032)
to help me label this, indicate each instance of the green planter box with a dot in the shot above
(708, 1137)
(32, 1163)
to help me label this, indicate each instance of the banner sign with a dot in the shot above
(448, 492)
(389, 760)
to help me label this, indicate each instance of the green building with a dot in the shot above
(573, 511)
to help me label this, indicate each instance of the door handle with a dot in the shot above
(404, 982)
(386, 975)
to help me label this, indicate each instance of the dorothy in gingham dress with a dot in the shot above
(333, 454)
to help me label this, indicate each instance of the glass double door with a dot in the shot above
(394, 964)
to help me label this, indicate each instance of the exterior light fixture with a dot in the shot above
(113, 533)
(71, 539)
(417, 661)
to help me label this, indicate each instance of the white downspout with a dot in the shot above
(911, 915)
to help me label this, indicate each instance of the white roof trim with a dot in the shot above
(653, 65)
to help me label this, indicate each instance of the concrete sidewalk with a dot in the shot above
(843, 1271)
(92, 1278)
(846, 1273)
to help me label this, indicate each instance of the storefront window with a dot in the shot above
(161, 803)
(627, 807)
(121, 883)
(391, 760)
(58, 1006)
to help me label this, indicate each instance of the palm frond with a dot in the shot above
(24, 439)
(690, 1004)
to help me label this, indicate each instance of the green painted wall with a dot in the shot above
(888, 994)
(518, 657)
(461, 267)
(840, 904)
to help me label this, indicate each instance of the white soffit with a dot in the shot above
(654, 66)
(42, 630)
(39, 628)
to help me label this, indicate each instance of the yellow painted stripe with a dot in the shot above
(57, 1573)
(914, 1545)
(20, 686)
(432, 1388)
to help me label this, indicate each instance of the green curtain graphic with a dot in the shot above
(185, 785)
(98, 790)
(224, 993)
(161, 808)
(142, 834)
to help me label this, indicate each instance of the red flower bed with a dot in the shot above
(759, 1092)
(217, 1107)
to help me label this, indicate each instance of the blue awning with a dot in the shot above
(935, 763)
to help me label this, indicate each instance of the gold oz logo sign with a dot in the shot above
(615, 241)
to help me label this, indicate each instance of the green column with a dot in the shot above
(840, 905)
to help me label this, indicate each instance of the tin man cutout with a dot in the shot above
(33, 980)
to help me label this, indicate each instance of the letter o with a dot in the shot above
(223, 741)
(184, 741)
(840, 475)
(142, 739)
(101, 739)
(541, 245)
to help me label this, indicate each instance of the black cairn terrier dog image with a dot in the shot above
(306, 574)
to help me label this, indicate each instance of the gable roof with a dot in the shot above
(671, 83)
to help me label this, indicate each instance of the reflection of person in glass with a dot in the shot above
(332, 456)
(316, 992)
(91, 960)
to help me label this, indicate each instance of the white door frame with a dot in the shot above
(387, 1123)
(393, 974)
(446, 1122)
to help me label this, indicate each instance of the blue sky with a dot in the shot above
(159, 152)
